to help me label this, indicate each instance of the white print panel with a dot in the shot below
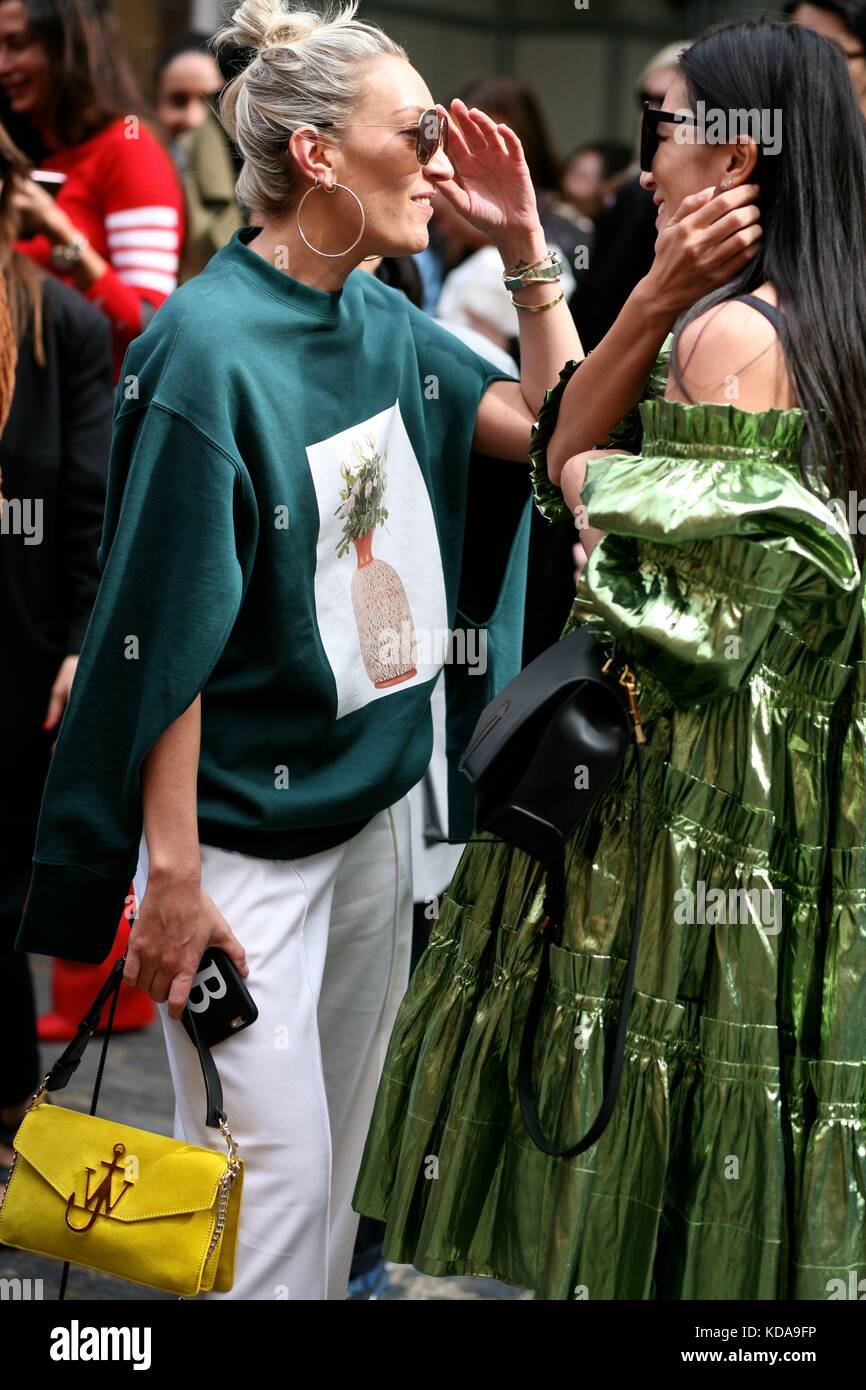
(379, 590)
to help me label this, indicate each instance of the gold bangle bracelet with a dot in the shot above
(538, 308)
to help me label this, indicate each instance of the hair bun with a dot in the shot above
(261, 24)
(293, 30)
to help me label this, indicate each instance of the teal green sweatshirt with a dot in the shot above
(283, 534)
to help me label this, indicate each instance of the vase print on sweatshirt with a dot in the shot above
(382, 612)
(371, 614)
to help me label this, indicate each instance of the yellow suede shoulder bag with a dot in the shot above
(134, 1204)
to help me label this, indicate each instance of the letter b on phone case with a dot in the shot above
(202, 982)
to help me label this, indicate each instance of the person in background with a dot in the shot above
(70, 102)
(475, 306)
(188, 81)
(843, 22)
(625, 231)
(473, 296)
(113, 232)
(588, 173)
(54, 457)
(655, 79)
(507, 100)
(452, 240)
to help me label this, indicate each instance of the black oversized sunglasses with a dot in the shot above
(649, 134)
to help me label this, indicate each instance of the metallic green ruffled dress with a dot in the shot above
(735, 1163)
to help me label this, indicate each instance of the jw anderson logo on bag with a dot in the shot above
(101, 1196)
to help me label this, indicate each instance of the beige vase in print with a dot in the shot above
(385, 626)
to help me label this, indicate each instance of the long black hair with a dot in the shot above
(813, 212)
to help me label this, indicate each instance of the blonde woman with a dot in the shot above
(287, 491)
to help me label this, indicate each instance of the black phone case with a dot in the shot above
(221, 1002)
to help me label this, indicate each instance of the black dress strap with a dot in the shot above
(768, 310)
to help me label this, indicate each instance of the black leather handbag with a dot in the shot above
(570, 711)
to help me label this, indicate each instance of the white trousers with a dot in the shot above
(327, 939)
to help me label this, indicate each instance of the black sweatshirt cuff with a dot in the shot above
(72, 912)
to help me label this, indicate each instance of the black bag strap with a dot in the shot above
(613, 1056)
(69, 1060)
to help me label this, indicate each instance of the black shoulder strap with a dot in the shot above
(69, 1060)
(614, 1052)
(768, 310)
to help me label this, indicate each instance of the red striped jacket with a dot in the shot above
(123, 192)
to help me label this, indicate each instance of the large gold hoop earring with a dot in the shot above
(329, 188)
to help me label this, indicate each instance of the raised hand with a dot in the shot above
(491, 187)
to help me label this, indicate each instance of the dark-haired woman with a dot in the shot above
(70, 101)
(843, 22)
(734, 1164)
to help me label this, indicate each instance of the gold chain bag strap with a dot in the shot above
(134, 1204)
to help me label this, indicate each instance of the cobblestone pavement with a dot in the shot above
(136, 1089)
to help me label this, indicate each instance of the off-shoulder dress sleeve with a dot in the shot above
(626, 435)
(707, 532)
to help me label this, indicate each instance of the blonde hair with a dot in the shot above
(668, 57)
(306, 71)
